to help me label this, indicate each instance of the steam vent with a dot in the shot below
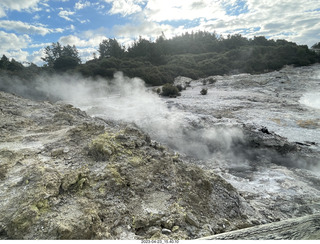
(241, 162)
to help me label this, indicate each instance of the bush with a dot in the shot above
(212, 81)
(180, 88)
(170, 90)
(204, 91)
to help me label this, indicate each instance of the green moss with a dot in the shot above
(74, 181)
(175, 158)
(116, 175)
(103, 147)
(106, 146)
(81, 182)
(176, 208)
(136, 161)
(43, 206)
(175, 228)
(24, 219)
(102, 190)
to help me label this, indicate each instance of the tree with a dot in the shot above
(15, 66)
(72, 52)
(4, 62)
(61, 57)
(262, 41)
(52, 53)
(110, 48)
(65, 63)
(140, 48)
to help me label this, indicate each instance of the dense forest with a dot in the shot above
(194, 55)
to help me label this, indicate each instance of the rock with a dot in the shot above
(175, 228)
(77, 177)
(64, 174)
(191, 219)
(265, 130)
(166, 231)
(153, 230)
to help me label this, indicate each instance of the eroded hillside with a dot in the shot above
(65, 175)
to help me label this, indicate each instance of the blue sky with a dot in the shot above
(28, 26)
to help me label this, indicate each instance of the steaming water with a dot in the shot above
(311, 99)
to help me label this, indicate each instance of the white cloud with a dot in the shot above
(35, 57)
(145, 29)
(40, 45)
(162, 10)
(87, 44)
(295, 20)
(36, 17)
(2, 12)
(17, 5)
(125, 7)
(24, 28)
(279, 19)
(71, 40)
(65, 14)
(12, 45)
(82, 4)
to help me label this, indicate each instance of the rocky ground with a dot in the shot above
(276, 164)
(65, 175)
(132, 165)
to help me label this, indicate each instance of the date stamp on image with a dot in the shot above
(159, 241)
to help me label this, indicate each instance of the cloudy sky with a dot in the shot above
(27, 26)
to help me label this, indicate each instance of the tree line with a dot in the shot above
(195, 55)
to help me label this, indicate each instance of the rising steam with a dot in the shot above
(311, 99)
(128, 100)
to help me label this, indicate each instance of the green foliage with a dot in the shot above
(13, 65)
(65, 63)
(170, 90)
(110, 48)
(204, 91)
(195, 55)
(61, 58)
(4, 62)
(316, 46)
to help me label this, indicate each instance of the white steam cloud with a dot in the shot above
(128, 100)
(311, 99)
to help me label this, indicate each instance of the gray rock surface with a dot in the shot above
(65, 175)
(246, 154)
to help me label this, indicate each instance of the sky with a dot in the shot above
(28, 26)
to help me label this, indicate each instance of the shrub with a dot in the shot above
(169, 90)
(204, 91)
(180, 88)
(212, 81)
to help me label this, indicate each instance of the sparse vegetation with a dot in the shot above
(204, 91)
(170, 90)
(212, 81)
